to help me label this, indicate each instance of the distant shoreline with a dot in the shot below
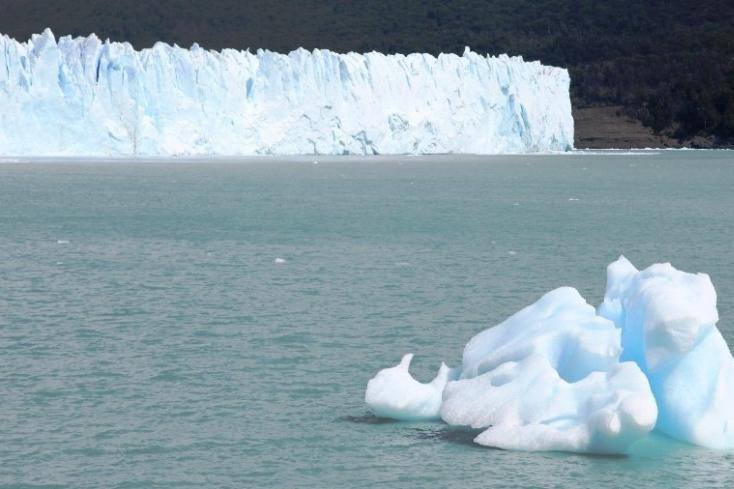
(309, 159)
(607, 127)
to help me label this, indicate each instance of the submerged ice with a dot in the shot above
(562, 375)
(83, 96)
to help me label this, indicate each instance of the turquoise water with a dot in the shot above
(148, 338)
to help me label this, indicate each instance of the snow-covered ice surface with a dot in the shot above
(562, 375)
(87, 97)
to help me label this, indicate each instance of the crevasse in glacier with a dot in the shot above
(561, 375)
(83, 96)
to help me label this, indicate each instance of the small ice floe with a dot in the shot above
(512, 253)
(280, 261)
(394, 393)
(573, 199)
(62, 241)
(315, 162)
(516, 203)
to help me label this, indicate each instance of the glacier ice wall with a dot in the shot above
(562, 375)
(83, 96)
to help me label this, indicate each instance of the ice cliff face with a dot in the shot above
(84, 96)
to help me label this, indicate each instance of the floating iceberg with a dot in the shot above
(83, 96)
(668, 322)
(560, 375)
(394, 393)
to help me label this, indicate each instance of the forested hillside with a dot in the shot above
(669, 64)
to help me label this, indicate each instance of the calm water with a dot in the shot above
(149, 339)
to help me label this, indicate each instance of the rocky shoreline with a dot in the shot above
(609, 127)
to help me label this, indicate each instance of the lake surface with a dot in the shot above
(149, 338)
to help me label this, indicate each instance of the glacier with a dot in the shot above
(563, 375)
(88, 97)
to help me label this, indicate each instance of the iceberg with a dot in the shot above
(668, 322)
(394, 393)
(563, 375)
(88, 97)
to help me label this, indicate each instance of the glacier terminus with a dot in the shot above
(88, 97)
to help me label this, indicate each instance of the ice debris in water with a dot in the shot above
(85, 96)
(394, 393)
(561, 375)
(279, 261)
